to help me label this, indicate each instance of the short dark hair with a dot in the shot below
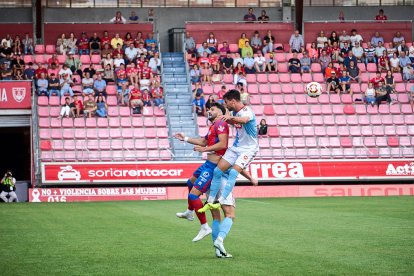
(232, 94)
(219, 106)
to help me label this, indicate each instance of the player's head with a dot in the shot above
(232, 99)
(216, 109)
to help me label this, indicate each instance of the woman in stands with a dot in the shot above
(389, 81)
(313, 52)
(210, 102)
(72, 44)
(206, 73)
(239, 75)
(242, 42)
(195, 74)
(17, 45)
(271, 63)
(102, 107)
(321, 39)
(139, 39)
(395, 63)
(212, 42)
(333, 38)
(383, 62)
(62, 44)
(132, 73)
(262, 127)
(127, 40)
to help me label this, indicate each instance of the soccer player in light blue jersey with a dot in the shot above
(238, 156)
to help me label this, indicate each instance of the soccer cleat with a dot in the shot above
(218, 243)
(186, 215)
(209, 206)
(202, 234)
(219, 255)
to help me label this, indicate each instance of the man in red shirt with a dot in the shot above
(106, 39)
(83, 45)
(135, 100)
(146, 72)
(53, 59)
(40, 69)
(381, 16)
(377, 79)
(76, 106)
(158, 95)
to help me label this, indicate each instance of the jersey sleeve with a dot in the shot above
(247, 112)
(222, 128)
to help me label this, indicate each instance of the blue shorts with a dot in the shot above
(204, 175)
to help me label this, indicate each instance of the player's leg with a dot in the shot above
(225, 226)
(13, 197)
(3, 196)
(189, 213)
(215, 227)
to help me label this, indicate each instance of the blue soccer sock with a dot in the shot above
(215, 184)
(215, 226)
(190, 186)
(225, 227)
(231, 181)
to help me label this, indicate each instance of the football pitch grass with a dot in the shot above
(297, 236)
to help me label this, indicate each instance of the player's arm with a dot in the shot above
(235, 120)
(220, 145)
(194, 141)
(249, 177)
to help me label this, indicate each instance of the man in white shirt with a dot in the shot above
(130, 53)
(358, 51)
(260, 62)
(237, 59)
(87, 85)
(379, 50)
(355, 37)
(344, 37)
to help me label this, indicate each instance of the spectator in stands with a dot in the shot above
(195, 74)
(212, 42)
(101, 107)
(107, 49)
(214, 63)
(117, 40)
(18, 75)
(268, 42)
(6, 54)
(106, 39)
(239, 75)
(227, 64)
(355, 37)
(329, 69)
(336, 53)
(91, 70)
(244, 96)
(128, 40)
(158, 95)
(370, 94)
(391, 50)
(6, 72)
(377, 79)
(141, 49)
(199, 105)
(89, 107)
(108, 74)
(333, 38)
(344, 37)
(345, 50)
(247, 49)
(118, 50)
(333, 83)
(369, 54)
(28, 45)
(210, 102)
(404, 60)
(271, 63)
(72, 44)
(381, 16)
(74, 64)
(242, 42)
(118, 61)
(403, 48)
(65, 109)
(99, 85)
(349, 58)
(260, 62)
(262, 127)
(256, 42)
(17, 64)
(324, 60)
(411, 52)
(382, 93)
(42, 85)
(76, 107)
(224, 50)
(354, 72)
(29, 72)
(41, 69)
(17, 45)
(398, 39)
(206, 73)
(87, 85)
(83, 45)
(151, 15)
(62, 45)
(94, 44)
(133, 17)
(155, 64)
(139, 39)
(53, 59)
(263, 18)
(54, 85)
(249, 17)
(395, 63)
(249, 63)
(108, 60)
(150, 39)
(358, 52)
(8, 40)
(146, 98)
(135, 100)
(305, 63)
(190, 44)
(294, 64)
(379, 50)
(130, 53)
(376, 39)
(220, 94)
(313, 52)
(408, 73)
(345, 83)
(64, 70)
(296, 42)
(123, 92)
(389, 81)
(321, 39)
(66, 85)
(203, 48)
(118, 19)
(237, 59)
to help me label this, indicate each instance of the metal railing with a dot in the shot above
(36, 139)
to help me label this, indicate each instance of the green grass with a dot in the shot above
(300, 236)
